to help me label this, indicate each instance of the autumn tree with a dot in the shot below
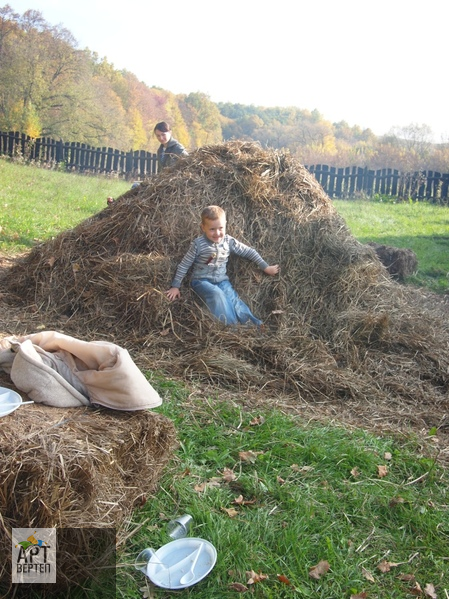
(202, 118)
(10, 105)
(47, 69)
(414, 145)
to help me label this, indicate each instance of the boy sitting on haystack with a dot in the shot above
(208, 254)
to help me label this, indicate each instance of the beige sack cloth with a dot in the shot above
(104, 370)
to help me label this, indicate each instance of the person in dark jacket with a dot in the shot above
(170, 149)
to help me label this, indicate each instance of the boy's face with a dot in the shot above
(215, 230)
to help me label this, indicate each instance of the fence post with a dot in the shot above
(426, 185)
(383, 182)
(11, 143)
(115, 162)
(436, 190)
(91, 159)
(332, 175)
(60, 151)
(394, 186)
(325, 177)
(47, 149)
(339, 184)
(444, 188)
(389, 181)
(142, 164)
(129, 163)
(369, 186)
(154, 164)
(23, 145)
(82, 159)
(352, 178)
(108, 164)
(359, 180)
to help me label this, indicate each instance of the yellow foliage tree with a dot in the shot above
(138, 133)
(176, 121)
(30, 121)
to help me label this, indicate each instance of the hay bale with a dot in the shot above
(77, 468)
(400, 262)
(337, 327)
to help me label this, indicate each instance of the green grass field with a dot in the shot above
(37, 204)
(277, 497)
(421, 227)
(295, 509)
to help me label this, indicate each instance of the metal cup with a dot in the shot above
(179, 527)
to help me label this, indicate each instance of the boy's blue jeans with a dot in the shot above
(223, 301)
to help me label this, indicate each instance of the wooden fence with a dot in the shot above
(349, 182)
(80, 157)
(354, 181)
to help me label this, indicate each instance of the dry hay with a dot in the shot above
(77, 468)
(340, 334)
(400, 262)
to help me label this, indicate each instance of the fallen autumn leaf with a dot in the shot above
(317, 571)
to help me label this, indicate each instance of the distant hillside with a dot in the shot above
(51, 88)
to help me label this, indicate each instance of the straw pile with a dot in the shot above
(340, 335)
(77, 468)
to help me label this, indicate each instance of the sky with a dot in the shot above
(378, 65)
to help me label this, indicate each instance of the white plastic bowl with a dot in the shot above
(171, 561)
(9, 401)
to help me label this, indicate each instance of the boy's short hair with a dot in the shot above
(212, 213)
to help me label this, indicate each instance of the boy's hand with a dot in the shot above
(173, 293)
(272, 270)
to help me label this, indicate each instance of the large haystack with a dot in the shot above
(338, 330)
